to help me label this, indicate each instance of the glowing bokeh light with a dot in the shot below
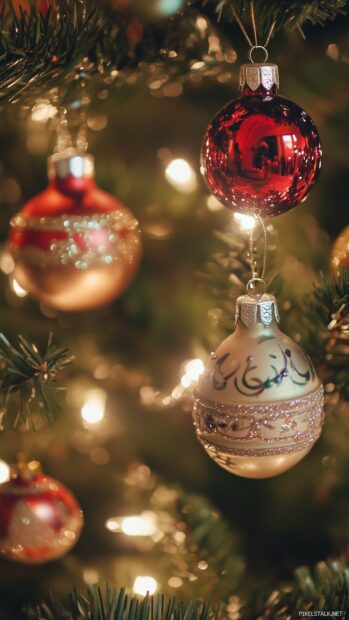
(18, 289)
(169, 7)
(246, 222)
(145, 584)
(193, 369)
(144, 524)
(42, 111)
(93, 409)
(4, 472)
(181, 175)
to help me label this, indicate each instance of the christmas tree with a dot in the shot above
(120, 272)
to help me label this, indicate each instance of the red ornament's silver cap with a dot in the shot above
(255, 75)
(251, 310)
(25, 470)
(71, 163)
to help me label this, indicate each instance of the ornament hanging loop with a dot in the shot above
(258, 47)
(256, 287)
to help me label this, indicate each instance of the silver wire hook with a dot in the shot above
(257, 47)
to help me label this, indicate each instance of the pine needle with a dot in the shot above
(28, 382)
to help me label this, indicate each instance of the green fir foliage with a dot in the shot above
(27, 382)
(113, 604)
(285, 13)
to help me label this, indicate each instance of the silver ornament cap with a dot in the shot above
(251, 310)
(70, 163)
(256, 74)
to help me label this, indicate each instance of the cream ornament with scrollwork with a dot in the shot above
(258, 408)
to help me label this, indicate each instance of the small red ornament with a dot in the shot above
(261, 153)
(75, 247)
(26, 5)
(40, 520)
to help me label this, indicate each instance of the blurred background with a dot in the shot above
(125, 443)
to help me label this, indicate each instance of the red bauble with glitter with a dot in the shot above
(40, 520)
(261, 153)
(75, 247)
(26, 5)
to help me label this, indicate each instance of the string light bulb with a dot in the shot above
(18, 289)
(4, 472)
(245, 222)
(144, 585)
(180, 174)
(144, 524)
(192, 371)
(93, 409)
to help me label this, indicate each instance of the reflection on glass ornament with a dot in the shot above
(261, 153)
(259, 404)
(75, 247)
(40, 520)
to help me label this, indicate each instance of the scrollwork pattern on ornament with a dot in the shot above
(280, 369)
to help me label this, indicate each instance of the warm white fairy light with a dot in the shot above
(145, 584)
(144, 524)
(18, 289)
(90, 576)
(7, 263)
(192, 371)
(42, 111)
(4, 472)
(246, 222)
(181, 175)
(93, 409)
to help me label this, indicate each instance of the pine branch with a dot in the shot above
(113, 604)
(324, 589)
(285, 13)
(195, 544)
(327, 334)
(40, 52)
(27, 382)
(206, 557)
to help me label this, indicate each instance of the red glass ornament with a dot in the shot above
(261, 153)
(26, 5)
(75, 247)
(40, 520)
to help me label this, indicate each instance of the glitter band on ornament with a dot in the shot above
(292, 425)
(84, 241)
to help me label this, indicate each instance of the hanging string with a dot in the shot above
(257, 277)
(270, 34)
(254, 26)
(265, 247)
(242, 27)
(64, 140)
(251, 254)
(81, 138)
